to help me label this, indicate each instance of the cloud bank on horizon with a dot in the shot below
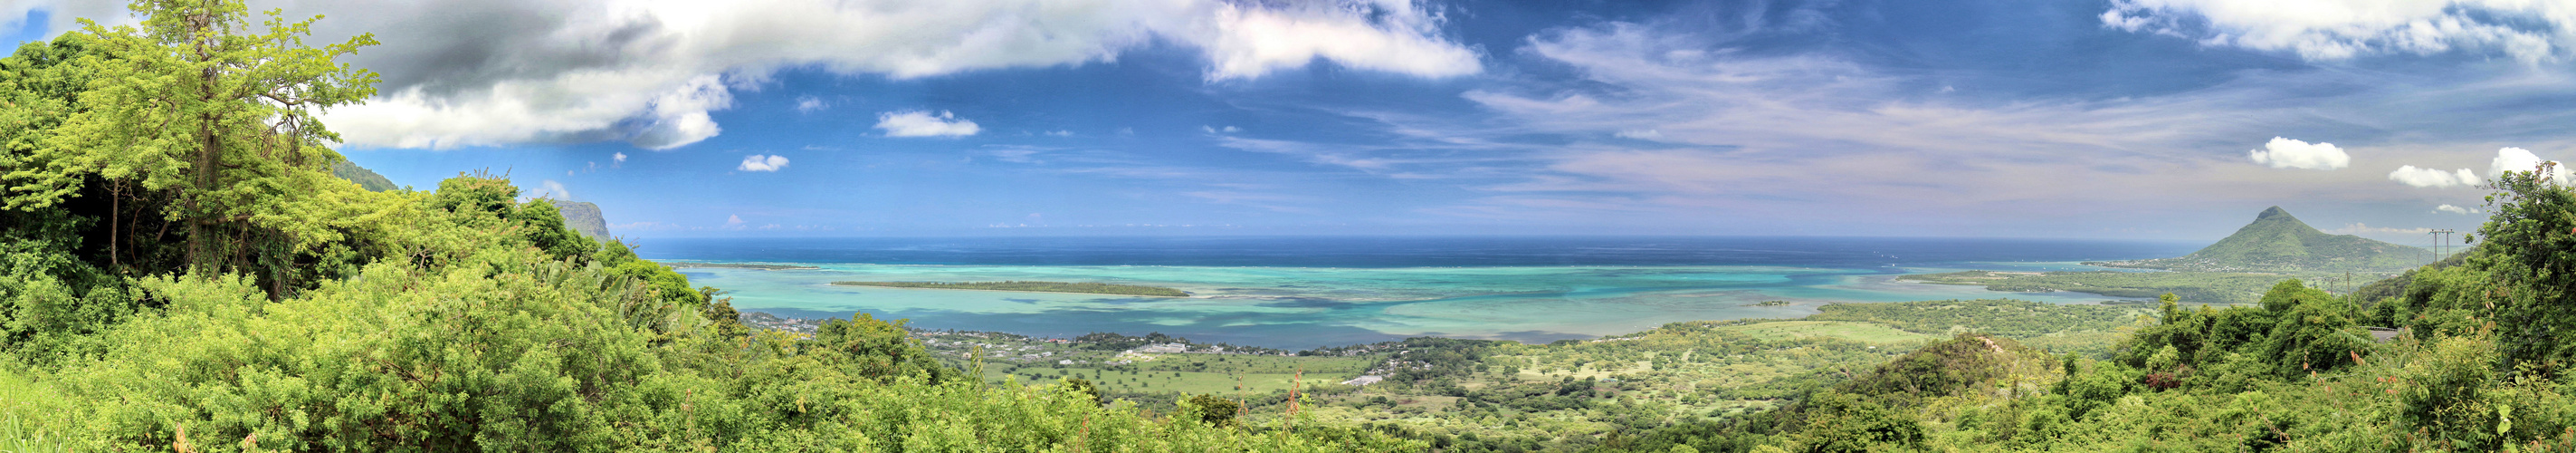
(2116, 118)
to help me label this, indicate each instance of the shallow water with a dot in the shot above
(1307, 292)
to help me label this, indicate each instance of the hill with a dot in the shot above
(584, 217)
(366, 179)
(2278, 242)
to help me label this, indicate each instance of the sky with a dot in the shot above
(2120, 119)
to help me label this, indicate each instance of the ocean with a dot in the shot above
(1301, 292)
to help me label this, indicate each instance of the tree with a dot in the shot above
(200, 108)
(2530, 247)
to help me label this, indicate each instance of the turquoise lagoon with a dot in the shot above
(1306, 307)
(1301, 292)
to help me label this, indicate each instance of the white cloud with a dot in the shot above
(810, 104)
(620, 158)
(1060, 133)
(1746, 131)
(734, 222)
(550, 189)
(2288, 153)
(2454, 209)
(920, 123)
(2522, 160)
(1641, 134)
(648, 71)
(2430, 178)
(2531, 31)
(1248, 41)
(757, 162)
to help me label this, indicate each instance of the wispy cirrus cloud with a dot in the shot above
(2531, 31)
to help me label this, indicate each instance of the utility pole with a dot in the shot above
(2440, 243)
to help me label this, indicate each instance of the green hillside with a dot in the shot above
(366, 179)
(2278, 242)
(584, 217)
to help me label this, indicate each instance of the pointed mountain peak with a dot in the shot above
(2277, 242)
(2276, 211)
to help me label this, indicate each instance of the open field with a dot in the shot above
(1849, 330)
(1167, 381)
(23, 409)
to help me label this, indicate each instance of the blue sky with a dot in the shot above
(2137, 119)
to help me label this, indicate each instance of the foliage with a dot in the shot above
(2529, 250)
(2004, 317)
(1042, 287)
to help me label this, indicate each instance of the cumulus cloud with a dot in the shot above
(2454, 209)
(810, 104)
(2431, 178)
(2522, 160)
(2531, 31)
(648, 72)
(620, 158)
(758, 162)
(920, 123)
(2288, 153)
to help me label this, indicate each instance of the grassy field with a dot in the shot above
(24, 406)
(1271, 364)
(1856, 331)
(1168, 381)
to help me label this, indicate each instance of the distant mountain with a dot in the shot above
(365, 178)
(583, 217)
(2277, 242)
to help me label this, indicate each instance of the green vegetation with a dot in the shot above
(1868, 332)
(2481, 367)
(2089, 329)
(181, 271)
(1038, 287)
(2193, 287)
(2004, 317)
(2277, 242)
(366, 179)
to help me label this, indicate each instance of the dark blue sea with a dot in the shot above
(1367, 252)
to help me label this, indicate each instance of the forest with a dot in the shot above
(183, 268)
